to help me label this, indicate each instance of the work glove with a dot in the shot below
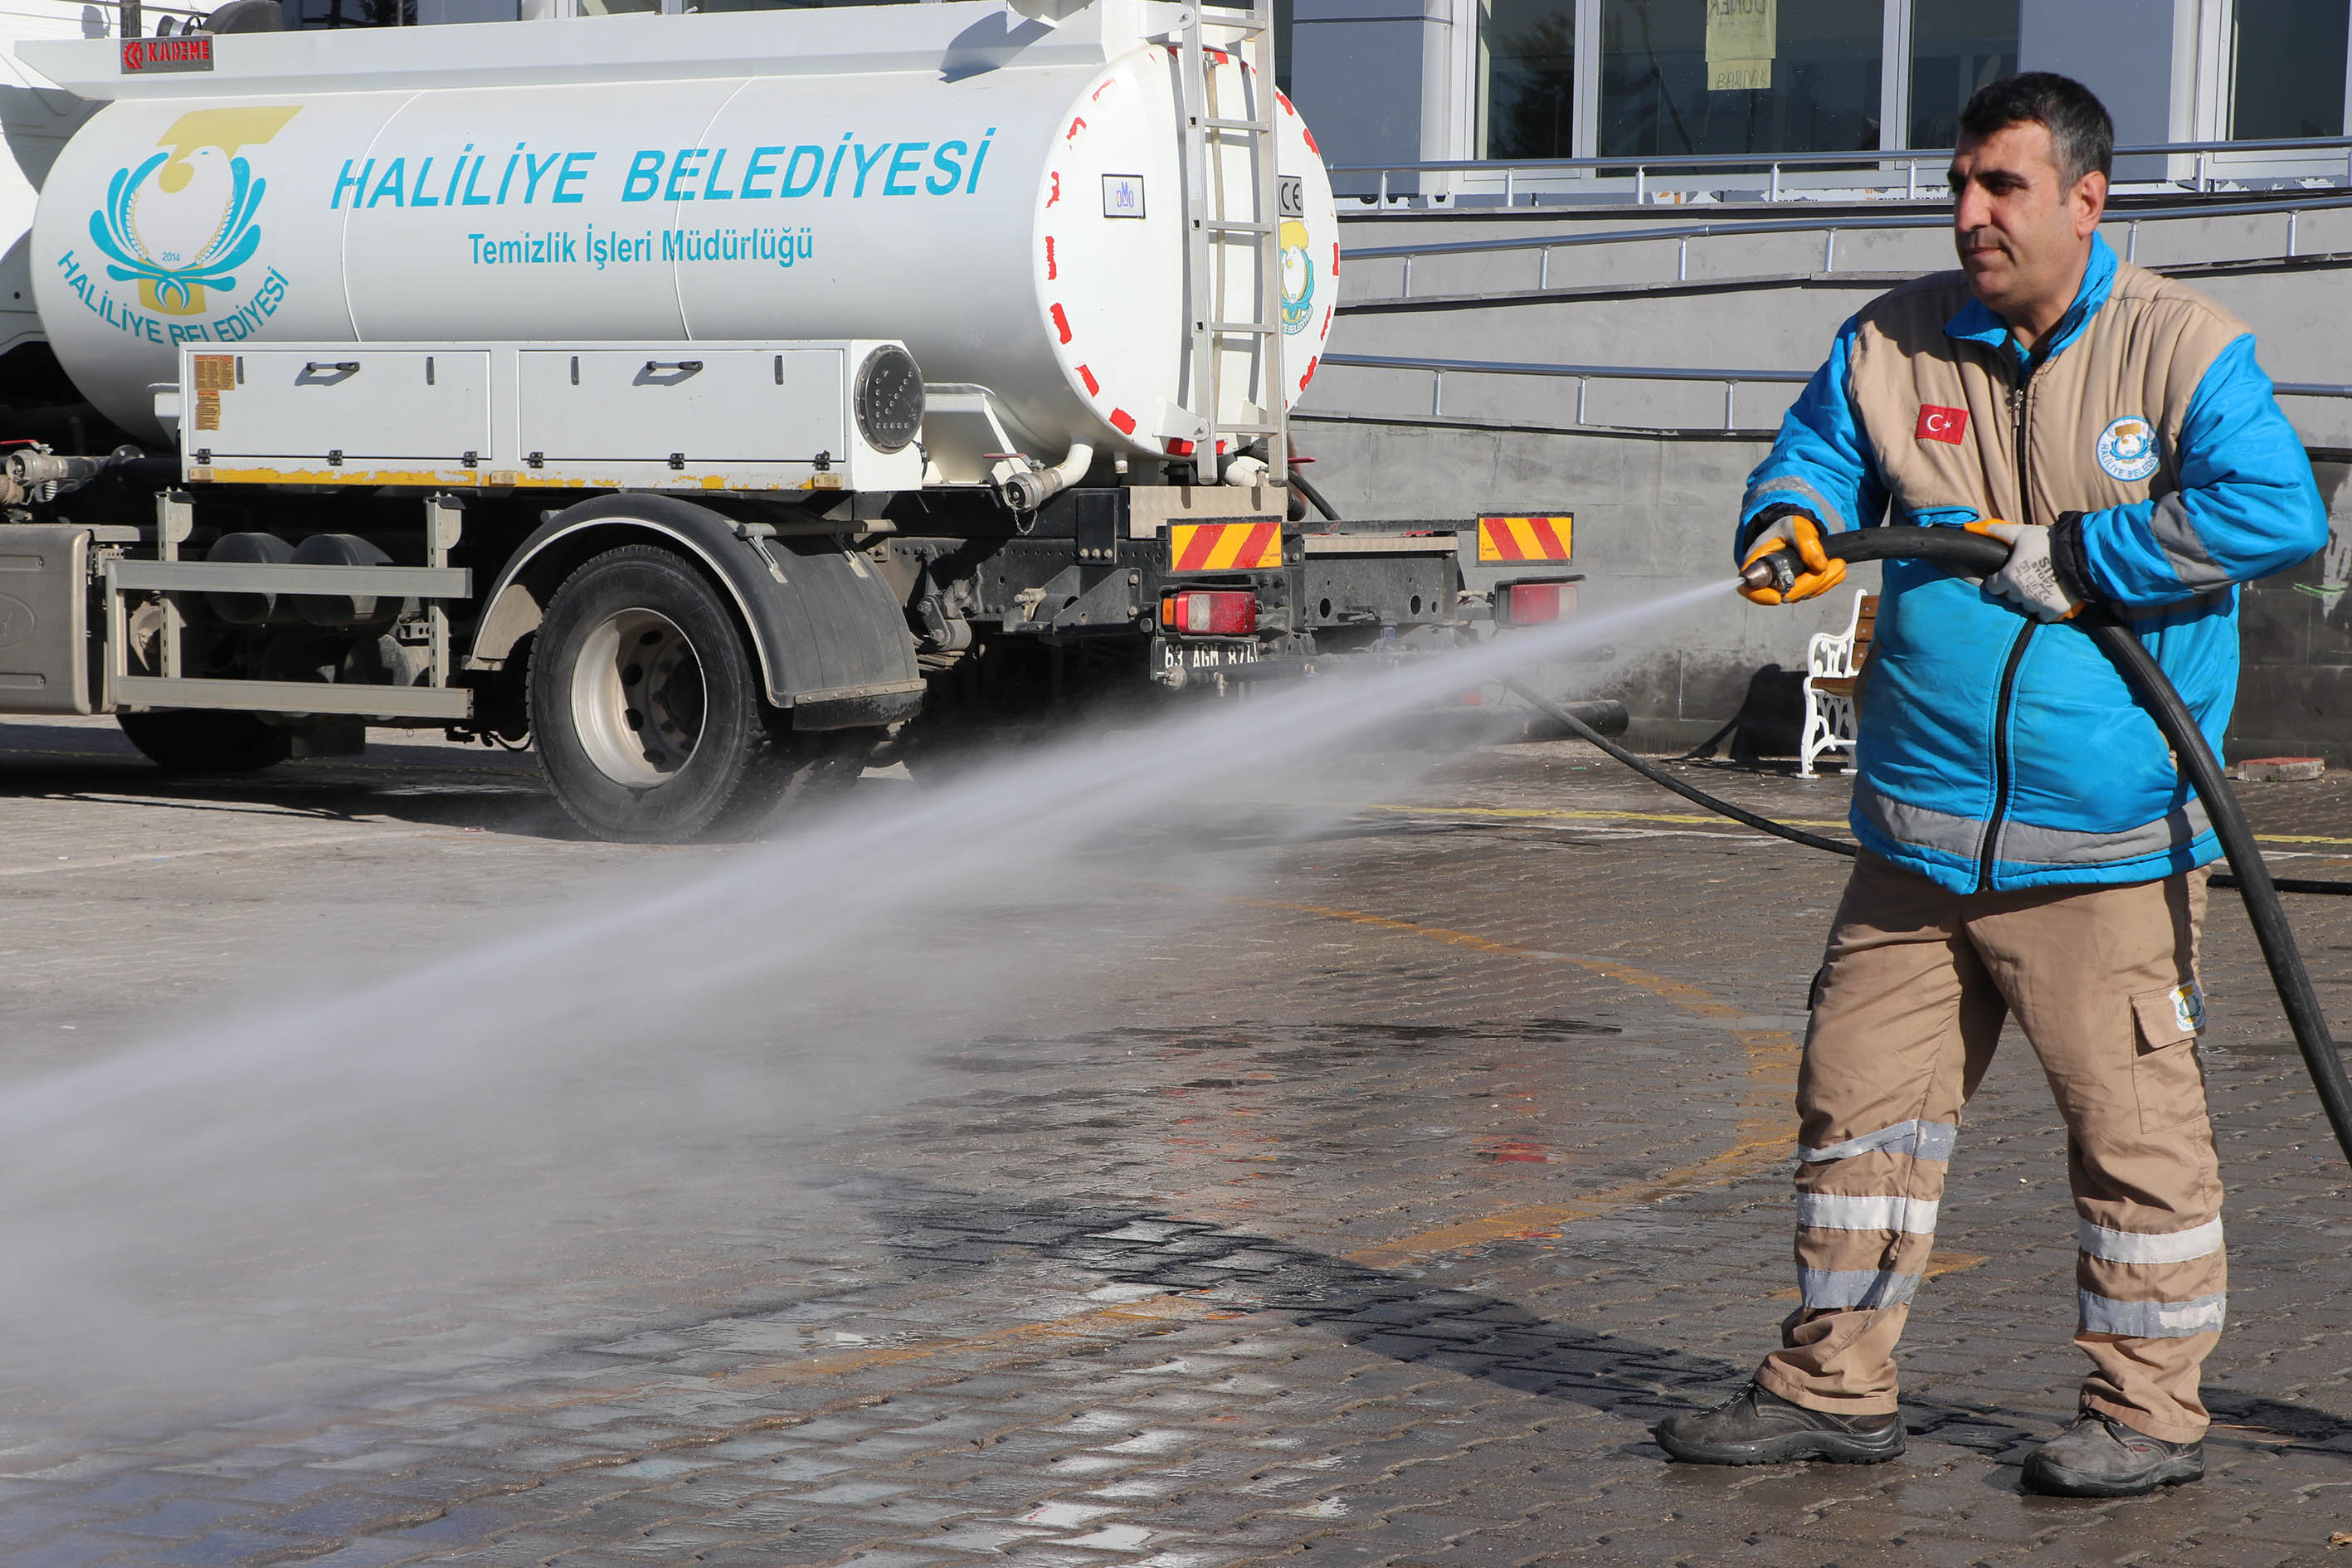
(2030, 579)
(1800, 530)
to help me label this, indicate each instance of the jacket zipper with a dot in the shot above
(2021, 399)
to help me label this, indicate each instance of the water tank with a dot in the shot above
(1005, 192)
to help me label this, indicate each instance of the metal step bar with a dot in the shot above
(127, 580)
(1212, 237)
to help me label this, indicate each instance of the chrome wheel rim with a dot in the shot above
(638, 698)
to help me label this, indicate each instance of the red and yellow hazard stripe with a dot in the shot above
(1524, 537)
(1224, 547)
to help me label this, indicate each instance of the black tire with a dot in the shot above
(647, 710)
(204, 740)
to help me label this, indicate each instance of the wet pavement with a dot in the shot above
(1368, 1213)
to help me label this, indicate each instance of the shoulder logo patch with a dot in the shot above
(2126, 449)
(1941, 424)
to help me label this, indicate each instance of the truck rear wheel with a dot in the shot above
(204, 740)
(647, 710)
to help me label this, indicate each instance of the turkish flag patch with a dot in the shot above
(1936, 423)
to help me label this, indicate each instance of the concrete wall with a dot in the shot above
(2295, 696)
(1761, 301)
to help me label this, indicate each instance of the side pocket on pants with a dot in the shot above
(2166, 1076)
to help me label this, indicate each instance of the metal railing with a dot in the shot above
(1732, 380)
(1772, 165)
(1829, 227)
(1582, 374)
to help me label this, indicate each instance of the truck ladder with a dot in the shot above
(1214, 234)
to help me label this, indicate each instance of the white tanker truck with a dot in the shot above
(704, 398)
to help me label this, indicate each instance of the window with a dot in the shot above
(301, 15)
(1739, 76)
(308, 14)
(1955, 49)
(1527, 71)
(2286, 69)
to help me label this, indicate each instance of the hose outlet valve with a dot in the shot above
(1777, 571)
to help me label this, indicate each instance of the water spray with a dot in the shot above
(199, 1219)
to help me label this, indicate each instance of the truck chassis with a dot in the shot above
(734, 602)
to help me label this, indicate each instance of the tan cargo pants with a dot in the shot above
(1905, 1015)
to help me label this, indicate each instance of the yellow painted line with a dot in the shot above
(1160, 1312)
(1533, 813)
(1686, 817)
(1764, 1136)
(1168, 1309)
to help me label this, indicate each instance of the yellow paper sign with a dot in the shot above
(1743, 38)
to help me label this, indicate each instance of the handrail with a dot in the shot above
(1911, 159)
(1580, 371)
(1622, 236)
(1802, 160)
(2287, 207)
(1731, 380)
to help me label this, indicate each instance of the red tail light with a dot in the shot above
(1210, 612)
(1533, 603)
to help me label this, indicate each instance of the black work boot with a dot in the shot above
(2098, 1456)
(1759, 1427)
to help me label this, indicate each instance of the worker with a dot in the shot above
(2027, 845)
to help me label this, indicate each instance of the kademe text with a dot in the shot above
(850, 169)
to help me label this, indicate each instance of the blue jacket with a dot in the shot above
(1994, 751)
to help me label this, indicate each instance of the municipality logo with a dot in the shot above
(2126, 449)
(1298, 278)
(183, 221)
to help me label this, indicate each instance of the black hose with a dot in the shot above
(1977, 554)
(1665, 780)
(2289, 884)
(1305, 487)
(1722, 807)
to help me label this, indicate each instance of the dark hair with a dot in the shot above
(2082, 136)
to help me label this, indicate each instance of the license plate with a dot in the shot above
(1201, 654)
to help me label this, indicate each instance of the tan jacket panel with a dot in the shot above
(2141, 356)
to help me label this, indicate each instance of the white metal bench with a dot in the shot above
(1834, 662)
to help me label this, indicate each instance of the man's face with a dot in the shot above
(2023, 232)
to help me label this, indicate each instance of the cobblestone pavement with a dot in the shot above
(1368, 1215)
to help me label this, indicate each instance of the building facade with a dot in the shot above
(1401, 81)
